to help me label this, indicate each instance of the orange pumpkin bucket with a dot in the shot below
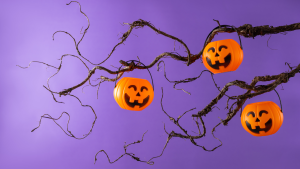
(134, 93)
(223, 55)
(262, 118)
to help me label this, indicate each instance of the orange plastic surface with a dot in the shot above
(262, 118)
(133, 93)
(222, 56)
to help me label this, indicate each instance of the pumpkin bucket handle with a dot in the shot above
(225, 27)
(278, 97)
(142, 64)
(279, 101)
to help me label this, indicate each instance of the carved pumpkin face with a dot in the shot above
(222, 56)
(133, 93)
(262, 118)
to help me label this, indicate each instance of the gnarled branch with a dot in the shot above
(253, 90)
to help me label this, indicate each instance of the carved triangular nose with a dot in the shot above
(138, 94)
(257, 120)
(217, 54)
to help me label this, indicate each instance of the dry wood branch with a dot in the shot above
(126, 153)
(187, 80)
(248, 31)
(241, 30)
(37, 62)
(61, 59)
(141, 23)
(253, 90)
(83, 34)
(69, 133)
(186, 135)
(258, 90)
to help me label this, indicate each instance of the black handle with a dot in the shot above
(225, 27)
(142, 64)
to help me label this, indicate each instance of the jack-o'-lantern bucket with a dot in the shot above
(223, 55)
(134, 93)
(262, 118)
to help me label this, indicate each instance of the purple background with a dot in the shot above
(26, 35)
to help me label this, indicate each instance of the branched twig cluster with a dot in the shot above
(126, 153)
(253, 90)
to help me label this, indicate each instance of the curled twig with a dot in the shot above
(126, 153)
(268, 43)
(246, 30)
(68, 131)
(37, 62)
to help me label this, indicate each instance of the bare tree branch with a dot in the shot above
(253, 90)
(126, 153)
(69, 133)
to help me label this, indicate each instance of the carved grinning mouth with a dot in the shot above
(136, 103)
(258, 129)
(217, 64)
